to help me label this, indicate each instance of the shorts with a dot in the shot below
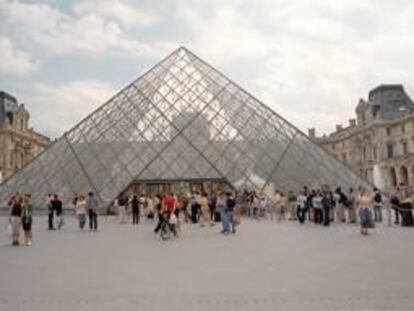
(27, 223)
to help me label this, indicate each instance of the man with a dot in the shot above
(326, 206)
(301, 206)
(57, 207)
(169, 205)
(93, 206)
(135, 208)
(341, 201)
(377, 205)
(50, 212)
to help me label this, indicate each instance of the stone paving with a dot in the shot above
(265, 266)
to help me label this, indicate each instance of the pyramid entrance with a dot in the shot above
(181, 121)
(153, 187)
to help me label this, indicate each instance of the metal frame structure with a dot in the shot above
(182, 119)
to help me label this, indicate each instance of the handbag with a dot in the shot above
(173, 219)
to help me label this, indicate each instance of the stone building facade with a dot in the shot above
(379, 143)
(18, 143)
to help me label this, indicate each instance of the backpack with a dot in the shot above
(377, 197)
(230, 204)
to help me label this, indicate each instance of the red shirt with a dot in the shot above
(169, 202)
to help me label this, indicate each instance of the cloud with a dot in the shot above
(122, 11)
(14, 62)
(221, 32)
(89, 32)
(57, 108)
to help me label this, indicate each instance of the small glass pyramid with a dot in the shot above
(181, 120)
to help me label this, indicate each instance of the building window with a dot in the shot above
(374, 151)
(333, 146)
(388, 131)
(344, 157)
(405, 148)
(390, 151)
(403, 128)
(364, 152)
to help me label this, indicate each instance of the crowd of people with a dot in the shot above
(198, 207)
(320, 206)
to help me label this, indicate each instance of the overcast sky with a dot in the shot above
(309, 60)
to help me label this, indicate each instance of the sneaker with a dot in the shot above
(29, 243)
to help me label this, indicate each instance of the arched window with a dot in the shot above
(404, 176)
(393, 177)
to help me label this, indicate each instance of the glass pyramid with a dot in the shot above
(181, 120)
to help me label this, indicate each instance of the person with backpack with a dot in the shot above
(377, 205)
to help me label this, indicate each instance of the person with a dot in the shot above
(27, 219)
(396, 205)
(58, 209)
(406, 204)
(317, 207)
(365, 211)
(195, 207)
(292, 205)
(92, 206)
(377, 205)
(254, 205)
(169, 206)
(150, 207)
(341, 202)
(230, 204)
(50, 210)
(15, 218)
(301, 206)
(326, 207)
(205, 210)
(351, 206)
(80, 210)
(135, 208)
(158, 209)
(221, 207)
(122, 203)
(212, 199)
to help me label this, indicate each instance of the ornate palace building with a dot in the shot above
(379, 143)
(18, 143)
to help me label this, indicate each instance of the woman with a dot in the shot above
(80, 210)
(365, 211)
(16, 219)
(27, 220)
(205, 210)
(221, 207)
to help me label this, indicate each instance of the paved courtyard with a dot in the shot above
(266, 266)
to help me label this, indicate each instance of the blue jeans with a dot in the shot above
(225, 221)
(231, 222)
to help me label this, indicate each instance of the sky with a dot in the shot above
(311, 61)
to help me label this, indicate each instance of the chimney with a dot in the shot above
(338, 127)
(312, 132)
(352, 122)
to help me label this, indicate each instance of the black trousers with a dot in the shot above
(318, 215)
(50, 218)
(212, 212)
(301, 213)
(194, 213)
(326, 217)
(135, 216)
(160, 221)
(93, 220)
